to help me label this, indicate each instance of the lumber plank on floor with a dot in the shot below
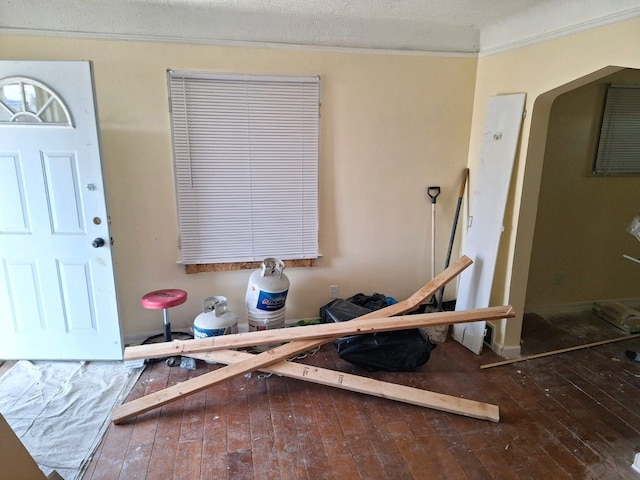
(134, 408)
(355, 383)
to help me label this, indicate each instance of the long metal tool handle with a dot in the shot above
(433, 193)
(433, 241)
(463, 183)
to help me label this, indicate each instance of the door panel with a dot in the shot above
(486, 212)
(24, 296)
(14, 218)
(57, 292)
(77, 289)
(60, 173)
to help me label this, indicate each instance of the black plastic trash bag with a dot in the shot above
(372, 302)
(396, 351)
(340, 310)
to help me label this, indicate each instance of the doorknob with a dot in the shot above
(97, 243)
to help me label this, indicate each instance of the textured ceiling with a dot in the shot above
(466, 26)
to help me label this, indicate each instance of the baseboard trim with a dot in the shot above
(567, 308)
(559, 308)
(507, 352)
(138, 338)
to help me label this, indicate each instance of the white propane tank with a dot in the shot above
(215, 319)
(266, 296)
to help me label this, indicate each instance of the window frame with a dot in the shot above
(273, 170)
(618, 150)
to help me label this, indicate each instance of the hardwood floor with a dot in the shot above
(574, 415)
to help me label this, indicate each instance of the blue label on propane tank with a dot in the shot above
(208, 332)
(271, 302)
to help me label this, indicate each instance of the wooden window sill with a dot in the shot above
(227, 267)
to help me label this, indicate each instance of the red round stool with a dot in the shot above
(164, 300)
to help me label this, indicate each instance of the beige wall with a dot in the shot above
(580, 231)
(391, 126)
(543, 72)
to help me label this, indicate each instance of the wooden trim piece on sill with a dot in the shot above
(227, 267)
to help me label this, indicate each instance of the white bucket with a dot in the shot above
(215, 319)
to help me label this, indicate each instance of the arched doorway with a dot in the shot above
(544, 196)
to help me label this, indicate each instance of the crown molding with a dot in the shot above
(231, 43)
(559, 33)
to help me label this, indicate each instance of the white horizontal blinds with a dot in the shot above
(619, 147)
(246, 160)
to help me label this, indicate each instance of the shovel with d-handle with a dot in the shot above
(433, 193)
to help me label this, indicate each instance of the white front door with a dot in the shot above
(57, 288)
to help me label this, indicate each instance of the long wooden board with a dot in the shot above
(368, 386)
(144, 404)
(561, 350)
(247, 339)
(309, 332)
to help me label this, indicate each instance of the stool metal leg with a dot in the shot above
(170, 361)
(167, 325)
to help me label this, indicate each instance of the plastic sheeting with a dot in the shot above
(60, 410)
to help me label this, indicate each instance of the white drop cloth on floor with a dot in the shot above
(60, 410)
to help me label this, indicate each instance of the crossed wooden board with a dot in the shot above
(216, 349)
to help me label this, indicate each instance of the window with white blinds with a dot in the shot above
(619, 146)
(245, 152)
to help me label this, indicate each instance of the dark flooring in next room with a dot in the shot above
(572, 415)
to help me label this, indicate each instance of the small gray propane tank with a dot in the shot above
(215, 319)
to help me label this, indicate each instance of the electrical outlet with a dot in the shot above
(333, 292)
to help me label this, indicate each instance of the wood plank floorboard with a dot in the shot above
(289, 454)
(568, 416)
(303, 397)
(263, 443)
(332, 438)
